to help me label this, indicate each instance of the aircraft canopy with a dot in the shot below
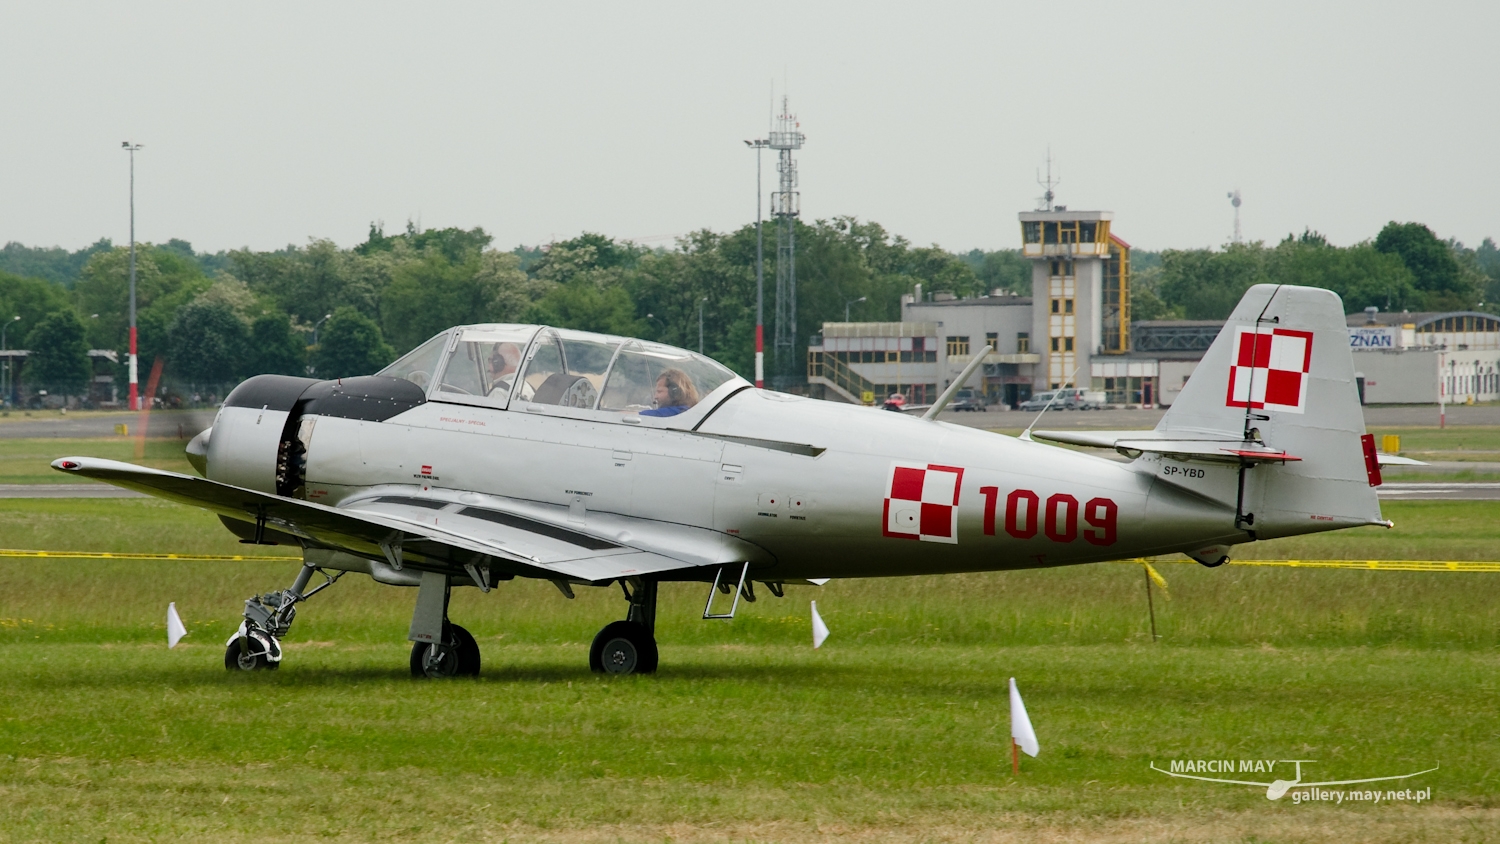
(495, 365)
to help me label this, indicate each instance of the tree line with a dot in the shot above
(1406, 267)
(216, 318)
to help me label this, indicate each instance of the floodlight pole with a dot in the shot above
(135, 401)
(760, 274)
(852, 302)
(700, 324)
(3, 329)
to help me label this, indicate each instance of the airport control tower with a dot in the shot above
(1080, 293)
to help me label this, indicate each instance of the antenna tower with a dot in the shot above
(1234, 199)
(786, 206)
(1045, 200)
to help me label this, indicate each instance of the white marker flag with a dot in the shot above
(820, 630)
(175, 628)
(1020, 725)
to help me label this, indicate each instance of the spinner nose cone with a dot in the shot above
(197, 451)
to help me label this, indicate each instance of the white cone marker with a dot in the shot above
(1021, 734)
(175, 628)
(820, 630)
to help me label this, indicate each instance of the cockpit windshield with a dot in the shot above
(419, 364)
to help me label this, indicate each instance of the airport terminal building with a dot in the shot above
(1075, 330)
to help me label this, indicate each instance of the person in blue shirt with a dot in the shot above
(674, 394)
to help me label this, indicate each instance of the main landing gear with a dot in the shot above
(256, 646)
(439, 647)
(629, 646)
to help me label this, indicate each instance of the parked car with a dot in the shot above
(969, 400)
(1068, 398)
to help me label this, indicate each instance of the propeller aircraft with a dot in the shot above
(493, 452)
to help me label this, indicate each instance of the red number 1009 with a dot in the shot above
(1026, 515)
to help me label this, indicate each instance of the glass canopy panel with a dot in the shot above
(481, 368)
(567, 368)
(418, 365)
(656, 380)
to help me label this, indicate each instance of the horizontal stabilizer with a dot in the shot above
(1395, 460)
(1223, 448)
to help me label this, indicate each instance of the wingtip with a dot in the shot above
(68, 464)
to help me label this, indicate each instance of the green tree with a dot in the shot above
(208, 343)
(310, 282)
(1003, 269)
(350, 344)
(55, 264)
(59, 359)
(1203, 284)
(31, 299)
(709, 269)
(1360, 274)
(1432, 264)
(586, 307)
(587, 287)
(1487, 260)
(456, 245)
(165, 281)
(274, 348)
(429, 293)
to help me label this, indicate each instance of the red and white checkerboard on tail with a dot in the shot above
(921, 502)
(1269, 369)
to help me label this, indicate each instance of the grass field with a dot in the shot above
(29, 460)
(896, 730)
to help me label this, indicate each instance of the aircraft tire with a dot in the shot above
(466, 656)
(255, 660)
(623, 647)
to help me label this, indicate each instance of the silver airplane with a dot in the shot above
(492, 452)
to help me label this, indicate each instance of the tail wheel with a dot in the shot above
(456, 656)
(623, 647)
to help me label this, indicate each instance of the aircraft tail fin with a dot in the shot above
(1280, 375)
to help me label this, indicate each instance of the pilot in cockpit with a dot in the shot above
(503, 362)
(675, 393)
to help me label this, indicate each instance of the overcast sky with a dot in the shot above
(265, 124)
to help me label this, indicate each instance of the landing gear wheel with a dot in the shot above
(623, 647)
(257, 657)
(457, 656)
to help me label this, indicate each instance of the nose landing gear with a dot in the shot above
(256, 646)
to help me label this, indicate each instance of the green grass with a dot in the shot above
(29, 460)
(1454, 443)
(896, 730)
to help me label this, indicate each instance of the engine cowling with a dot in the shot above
(261, 437)
(248, 442)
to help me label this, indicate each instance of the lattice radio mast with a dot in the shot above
(1234, 199)
(786, 206)
(1045, 200)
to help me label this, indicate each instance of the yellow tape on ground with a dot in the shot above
(98, 555)
(1368, 565)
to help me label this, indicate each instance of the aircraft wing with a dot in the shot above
(1225, 448)
(442, 533)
